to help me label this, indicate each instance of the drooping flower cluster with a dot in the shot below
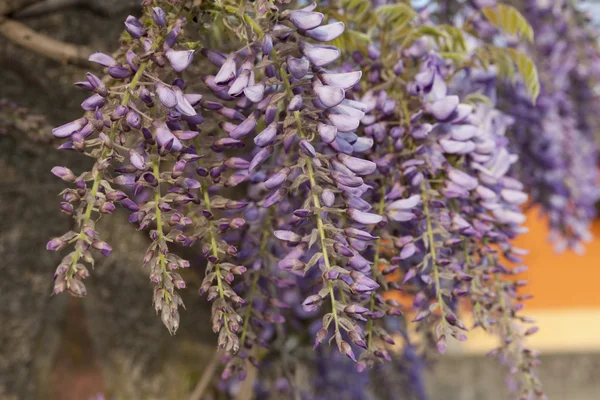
(555, 137)
(316, 181)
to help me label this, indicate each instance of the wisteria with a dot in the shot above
(325, 160)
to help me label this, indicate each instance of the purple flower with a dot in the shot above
(159, 16)
(134, 27)
(326, 33)
(305, 20)
(320, 55)
(93, 102)
(102, 59)
(344, 80)
(69, 128)
(179, 59)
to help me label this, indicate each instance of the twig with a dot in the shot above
(207, 376)
(45, 7)
(54, 49)
(8, 7)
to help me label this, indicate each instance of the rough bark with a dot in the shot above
(137, 356)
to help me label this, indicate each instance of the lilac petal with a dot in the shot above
(405, 204)
(508, 216)
(137, 160)
(244, 129)
(320, 55)
(287, 236)
(102, 59)
(84, 85)
(134, 27)
(326, 33)
(166, 96)
(185, 135)
(442, 109)
(267, 44)
(255, 93)
(347, 180)
(306, 20)
(163, 136)
(130, 56)
(183, 105)
(452, 191)
(239, 84)
(267, 136)
(357, 165)
(236, 163)
(277, 179)
(425, 79)
(298, 67)
(327, 132)
(421, 132)
(463, 132)
(328, 198)
(226, 143)
(344, 80)
(359, 234)
(345, 109)
(363, 217)
(295, 103)
(401, 216)
(360, 204)
(362, 144)
(260, 157)
(344, 123)
(93, 102)
(486, 193)
(330, 96)
(193, 99)
(179, 59)
(227, 71)
(408, 251)
(134, 119)
(159, 16)
(513, 196)
(118, 71)
(311, 7)
(462, 112)
(307, 148)
(69, 128)
(274, 198)
(462, 179)
(454, 147)
(218, 59)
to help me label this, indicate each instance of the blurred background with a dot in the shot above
(65, 348)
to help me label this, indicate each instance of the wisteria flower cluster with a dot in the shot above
(321, 162)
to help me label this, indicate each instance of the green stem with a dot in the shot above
(436, 273)
(98, 174)
(261, 255)
(320, 224)
(215, 252)
(157, 211)
(375, 269)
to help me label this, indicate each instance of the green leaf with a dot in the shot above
(528, 72)
(510, 20)
(395, 14)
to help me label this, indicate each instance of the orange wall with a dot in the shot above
(564, 280)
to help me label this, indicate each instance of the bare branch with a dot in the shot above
(54, 49)
(206, 378)
(8, 7)
(45, 7)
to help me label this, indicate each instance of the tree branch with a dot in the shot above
(8, 7)
(50, 48)
(206, 378)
